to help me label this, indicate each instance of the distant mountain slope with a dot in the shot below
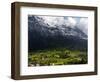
(42, 35)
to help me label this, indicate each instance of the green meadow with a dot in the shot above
(59, 56)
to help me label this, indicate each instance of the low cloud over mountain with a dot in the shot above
(56, 31)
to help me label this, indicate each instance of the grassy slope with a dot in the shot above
(60, 56)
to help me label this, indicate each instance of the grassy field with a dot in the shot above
(60, 56)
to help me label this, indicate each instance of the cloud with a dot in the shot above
(83, 25)
(52, 21)
(71, 22)
(80, 22)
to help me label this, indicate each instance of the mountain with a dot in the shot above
(43, 34)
